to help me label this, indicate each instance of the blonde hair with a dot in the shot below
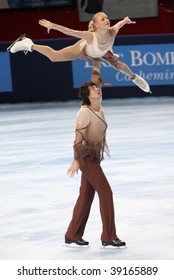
(91, 26)
(96, 15)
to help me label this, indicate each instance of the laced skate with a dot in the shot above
(141, 83)
(21, 44)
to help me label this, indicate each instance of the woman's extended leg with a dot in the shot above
(66, 54)
(113, 60)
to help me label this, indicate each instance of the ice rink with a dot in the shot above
(37, 197)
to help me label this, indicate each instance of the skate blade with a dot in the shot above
(110, 247)
(18, 39)
(75, 246)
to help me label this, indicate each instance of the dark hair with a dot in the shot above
(84, 92)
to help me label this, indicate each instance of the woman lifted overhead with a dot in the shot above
(97, 42)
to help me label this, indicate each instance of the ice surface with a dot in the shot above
(37, 197)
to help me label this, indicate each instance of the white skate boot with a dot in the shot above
(21, 44)
(141, 83)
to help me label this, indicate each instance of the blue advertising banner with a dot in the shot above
(5, 72)
(153, 62)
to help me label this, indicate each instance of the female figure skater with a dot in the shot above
(97, 42)
(89, 147)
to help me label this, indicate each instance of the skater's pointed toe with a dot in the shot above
(21, 44)
(141, 83)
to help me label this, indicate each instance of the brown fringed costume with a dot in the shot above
(89, 146)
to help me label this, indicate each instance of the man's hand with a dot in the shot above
(74, 167)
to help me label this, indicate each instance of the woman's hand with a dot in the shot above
(74, 167)
(128, 20)
(46, 23)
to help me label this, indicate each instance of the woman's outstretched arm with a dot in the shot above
(70, 32)
(121, 23)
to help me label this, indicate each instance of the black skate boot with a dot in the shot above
(115, 243)
(80, 242)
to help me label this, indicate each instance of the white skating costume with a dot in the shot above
(95, 50)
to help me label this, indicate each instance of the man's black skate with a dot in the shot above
(18, 39)
(80, 242)
(115, 243)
